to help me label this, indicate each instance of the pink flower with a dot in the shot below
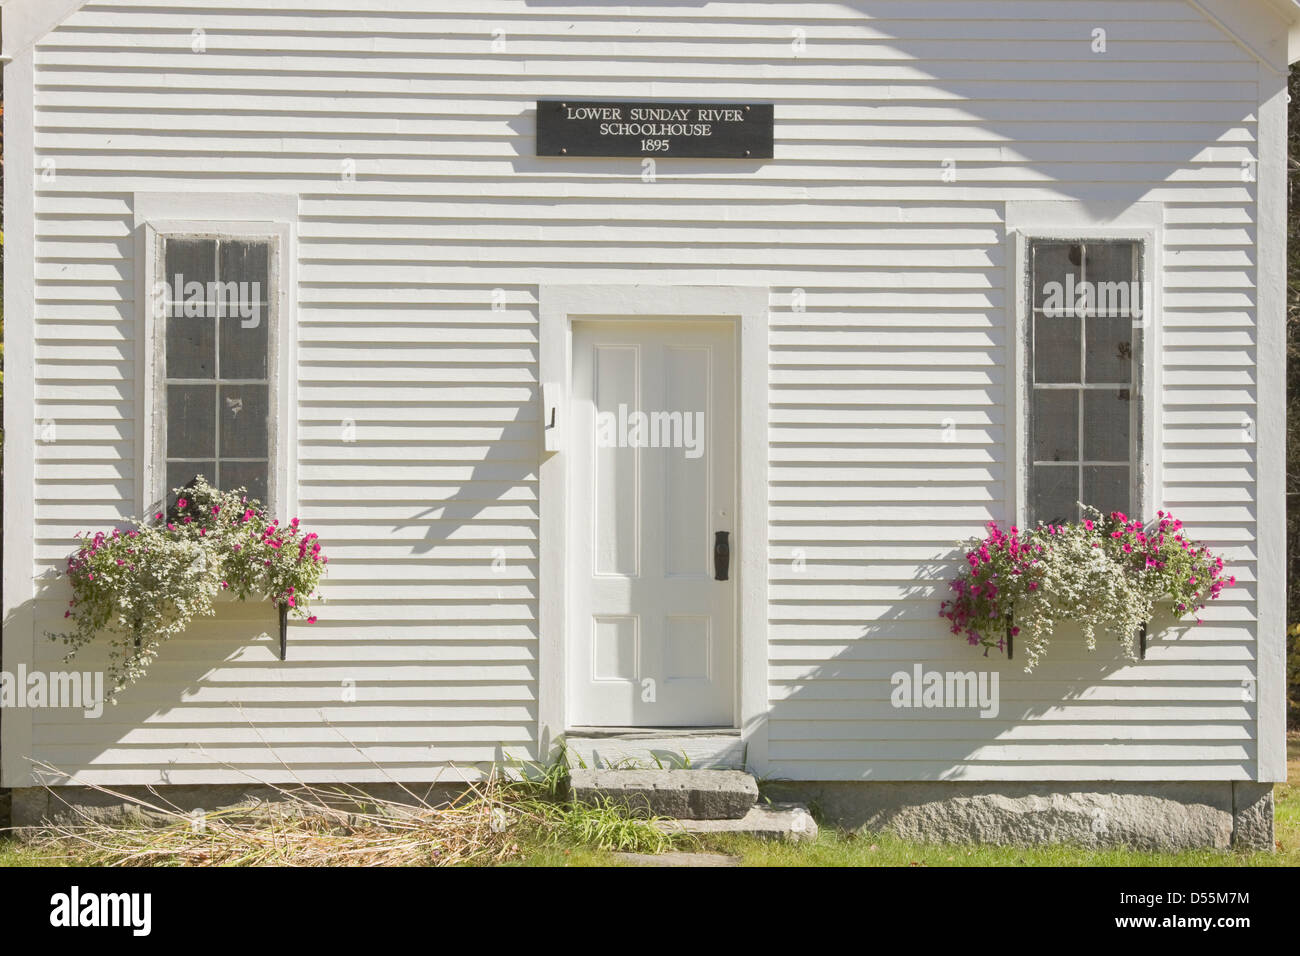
(181, 502)
(312, 619)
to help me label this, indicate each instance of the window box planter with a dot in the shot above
(1011, 640)
(1104, 573)
(139, 586)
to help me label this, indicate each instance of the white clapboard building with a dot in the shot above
(808, 232)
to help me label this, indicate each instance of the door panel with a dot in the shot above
(652, 638)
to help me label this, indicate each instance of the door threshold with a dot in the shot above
(635, 732)
(645, 748)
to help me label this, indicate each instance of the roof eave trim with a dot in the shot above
(27, 22)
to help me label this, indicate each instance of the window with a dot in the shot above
(1084, 370)
(217, 340)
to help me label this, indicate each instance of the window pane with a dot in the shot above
(247, 263)
(180, 473)
(1105, 487)
(243, 421)
(1053, 263)
(188, 261)
(1055, 424)
(249, 475)
(243, 346)
(1110, 350)
(191, 421)
(1057, 343)
(1110, 262)
(1053, 493)
(191, 347)
(1105, 425)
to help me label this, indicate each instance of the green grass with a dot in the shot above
(16, 853)
(586, 837)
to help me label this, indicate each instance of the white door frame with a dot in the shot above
(558, 307)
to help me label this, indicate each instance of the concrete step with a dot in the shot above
(683, 794)
(643, 749)
(778, 821)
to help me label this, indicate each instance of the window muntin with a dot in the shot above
(216, 361)
(1084, 345)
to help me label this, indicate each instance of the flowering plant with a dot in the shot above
(1105, 572)
(144, 584)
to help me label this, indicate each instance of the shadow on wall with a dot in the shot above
(891, 701)
(218, 699)
(1113, 115)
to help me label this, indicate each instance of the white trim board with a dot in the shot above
(1270, 431)
(558, 306)
(19, 640)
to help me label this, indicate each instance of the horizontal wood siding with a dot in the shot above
(418, 330)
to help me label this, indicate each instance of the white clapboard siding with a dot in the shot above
(418, 330)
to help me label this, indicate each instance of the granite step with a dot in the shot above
(681, 794)
(790, 822)
(649, 749)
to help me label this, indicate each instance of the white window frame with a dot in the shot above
(1139, 222)
(218, 216)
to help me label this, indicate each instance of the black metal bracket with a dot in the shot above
(1011, 641)
(1142, 643)
(284, 629)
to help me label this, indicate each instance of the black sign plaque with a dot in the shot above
(691, 130)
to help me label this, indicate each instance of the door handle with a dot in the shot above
(721, 555)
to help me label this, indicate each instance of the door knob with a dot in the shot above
(721, 555)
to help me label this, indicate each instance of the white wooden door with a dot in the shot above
(652, 481)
